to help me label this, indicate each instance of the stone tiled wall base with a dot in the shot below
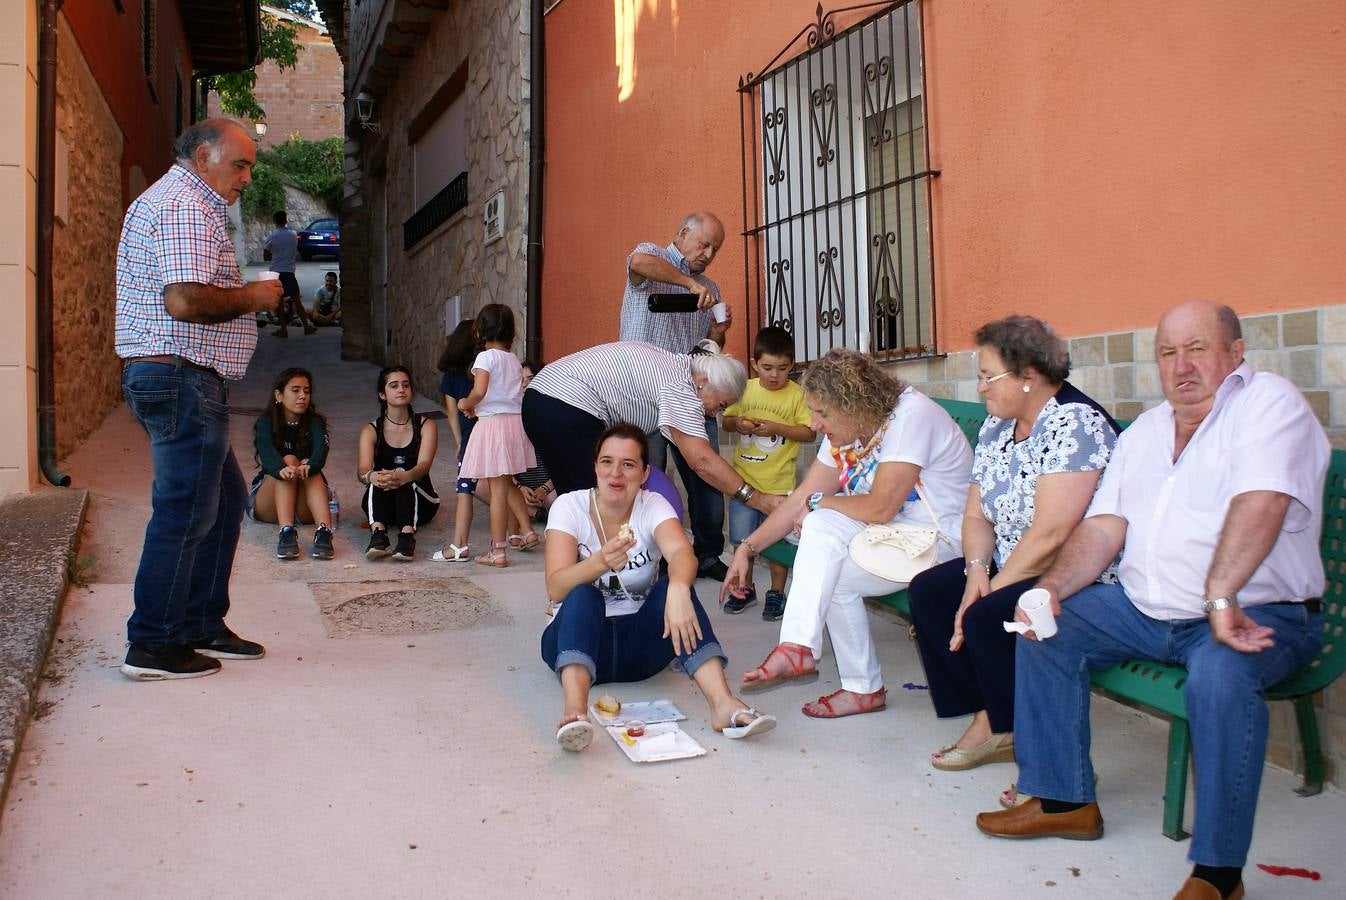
(454, 260)
(1118, 370)
(84, 252)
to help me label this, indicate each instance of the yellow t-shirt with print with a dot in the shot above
(768, 463)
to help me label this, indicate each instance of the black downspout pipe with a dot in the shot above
(46, 206)
(536, 156)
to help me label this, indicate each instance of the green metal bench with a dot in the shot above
(1159, 686)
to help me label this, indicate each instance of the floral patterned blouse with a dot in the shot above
(1071, 434)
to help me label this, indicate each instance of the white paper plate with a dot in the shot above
(648, 711)
(660, 743)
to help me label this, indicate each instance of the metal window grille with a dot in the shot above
(435, 212)
(836, 186)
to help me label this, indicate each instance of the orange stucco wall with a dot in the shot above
(1099, 161)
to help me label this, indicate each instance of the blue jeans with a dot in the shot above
(1227, 714)
(705, 505)
(182, 585)
(621, 648)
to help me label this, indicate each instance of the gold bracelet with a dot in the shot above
(751, 549)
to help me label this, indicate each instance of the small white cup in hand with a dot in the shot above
(268, 276)
(720, 311)
(1037, 605)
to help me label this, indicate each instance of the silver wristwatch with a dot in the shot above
(1218, 604)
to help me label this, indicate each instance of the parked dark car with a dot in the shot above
(322, 236)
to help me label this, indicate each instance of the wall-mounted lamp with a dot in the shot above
(364, 110)
(260, 127)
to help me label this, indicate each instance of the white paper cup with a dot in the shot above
(268, 276)
(1037, 604)
(720, 312)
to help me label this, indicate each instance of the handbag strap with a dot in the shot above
(934, 518)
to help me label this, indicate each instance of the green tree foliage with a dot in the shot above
(312, 166)
(306, 8)
(235, 88)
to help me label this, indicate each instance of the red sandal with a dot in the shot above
(799, 666)
(822, 708)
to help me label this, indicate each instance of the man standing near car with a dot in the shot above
(281, 247)
(184, 324)
(679, 268)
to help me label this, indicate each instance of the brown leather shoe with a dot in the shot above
(1199, 889)
(1029, 821)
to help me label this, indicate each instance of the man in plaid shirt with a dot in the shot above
(184, 325)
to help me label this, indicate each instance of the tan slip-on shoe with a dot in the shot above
(1029, 821)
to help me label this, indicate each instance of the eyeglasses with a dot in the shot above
(983, 379)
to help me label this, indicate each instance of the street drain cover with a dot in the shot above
(405, 607)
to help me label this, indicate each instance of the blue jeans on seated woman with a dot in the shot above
(621, 648)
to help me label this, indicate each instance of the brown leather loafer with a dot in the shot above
(1029, 821)
(1199, 889)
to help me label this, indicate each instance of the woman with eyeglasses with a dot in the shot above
(1039, 456)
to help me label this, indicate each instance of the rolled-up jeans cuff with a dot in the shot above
(704, 653)
(576, 658)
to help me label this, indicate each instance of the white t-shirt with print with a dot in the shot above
(570, 514)
(504, 391)
(920, 432)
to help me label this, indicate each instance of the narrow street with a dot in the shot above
(401, 744)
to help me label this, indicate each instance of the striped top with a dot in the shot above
(176, 232)
(675, 332)
(628, 381)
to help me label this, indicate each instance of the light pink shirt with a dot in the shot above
(1260, 435)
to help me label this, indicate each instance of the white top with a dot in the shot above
(920, 432)
(570, 514)
(628, 381)
(1260, 435)
(505, 389)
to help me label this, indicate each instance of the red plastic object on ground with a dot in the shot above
(1290, 870)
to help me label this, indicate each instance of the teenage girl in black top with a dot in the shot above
(396, 451)
(291, 448)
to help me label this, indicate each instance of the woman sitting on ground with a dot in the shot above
(396, 452)
(881, 439)
(618, 621)
(1039, 457)
(290, 440)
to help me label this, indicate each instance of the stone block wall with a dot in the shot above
(84, 252)
(1307, 346)
(454, 259)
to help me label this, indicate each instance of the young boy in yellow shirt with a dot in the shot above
(771, 420)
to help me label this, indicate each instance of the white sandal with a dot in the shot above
(456, 554)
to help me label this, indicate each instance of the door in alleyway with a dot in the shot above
(380, 323)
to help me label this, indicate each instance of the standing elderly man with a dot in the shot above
(1214, 499)
(184, 325)
(678, 268)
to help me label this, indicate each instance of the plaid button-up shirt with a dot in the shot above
(177, 231)
(674, 332)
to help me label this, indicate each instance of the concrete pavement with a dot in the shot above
(397, 742)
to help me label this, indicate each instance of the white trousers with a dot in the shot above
(828, 589)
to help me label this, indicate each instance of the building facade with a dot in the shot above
(123, 87)
(434, 215)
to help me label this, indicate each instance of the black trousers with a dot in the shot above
(564, 438)
(980, 674)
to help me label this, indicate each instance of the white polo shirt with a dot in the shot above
(1260, 435)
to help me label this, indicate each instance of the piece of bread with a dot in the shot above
(608, 705)
(625, 533)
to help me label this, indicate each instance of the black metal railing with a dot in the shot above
(435, 212)
(836, 186)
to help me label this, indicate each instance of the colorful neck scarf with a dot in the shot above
(855, 464)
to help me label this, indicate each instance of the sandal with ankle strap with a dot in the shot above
(455, 554)
(822, 708)
(495, 557)
(796, 670)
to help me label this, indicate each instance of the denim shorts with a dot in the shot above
(743, 521)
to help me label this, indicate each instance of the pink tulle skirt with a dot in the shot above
(497, 446)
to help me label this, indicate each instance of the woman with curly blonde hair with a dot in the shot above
(881, 438)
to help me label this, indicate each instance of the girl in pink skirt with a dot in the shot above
(498, 449)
